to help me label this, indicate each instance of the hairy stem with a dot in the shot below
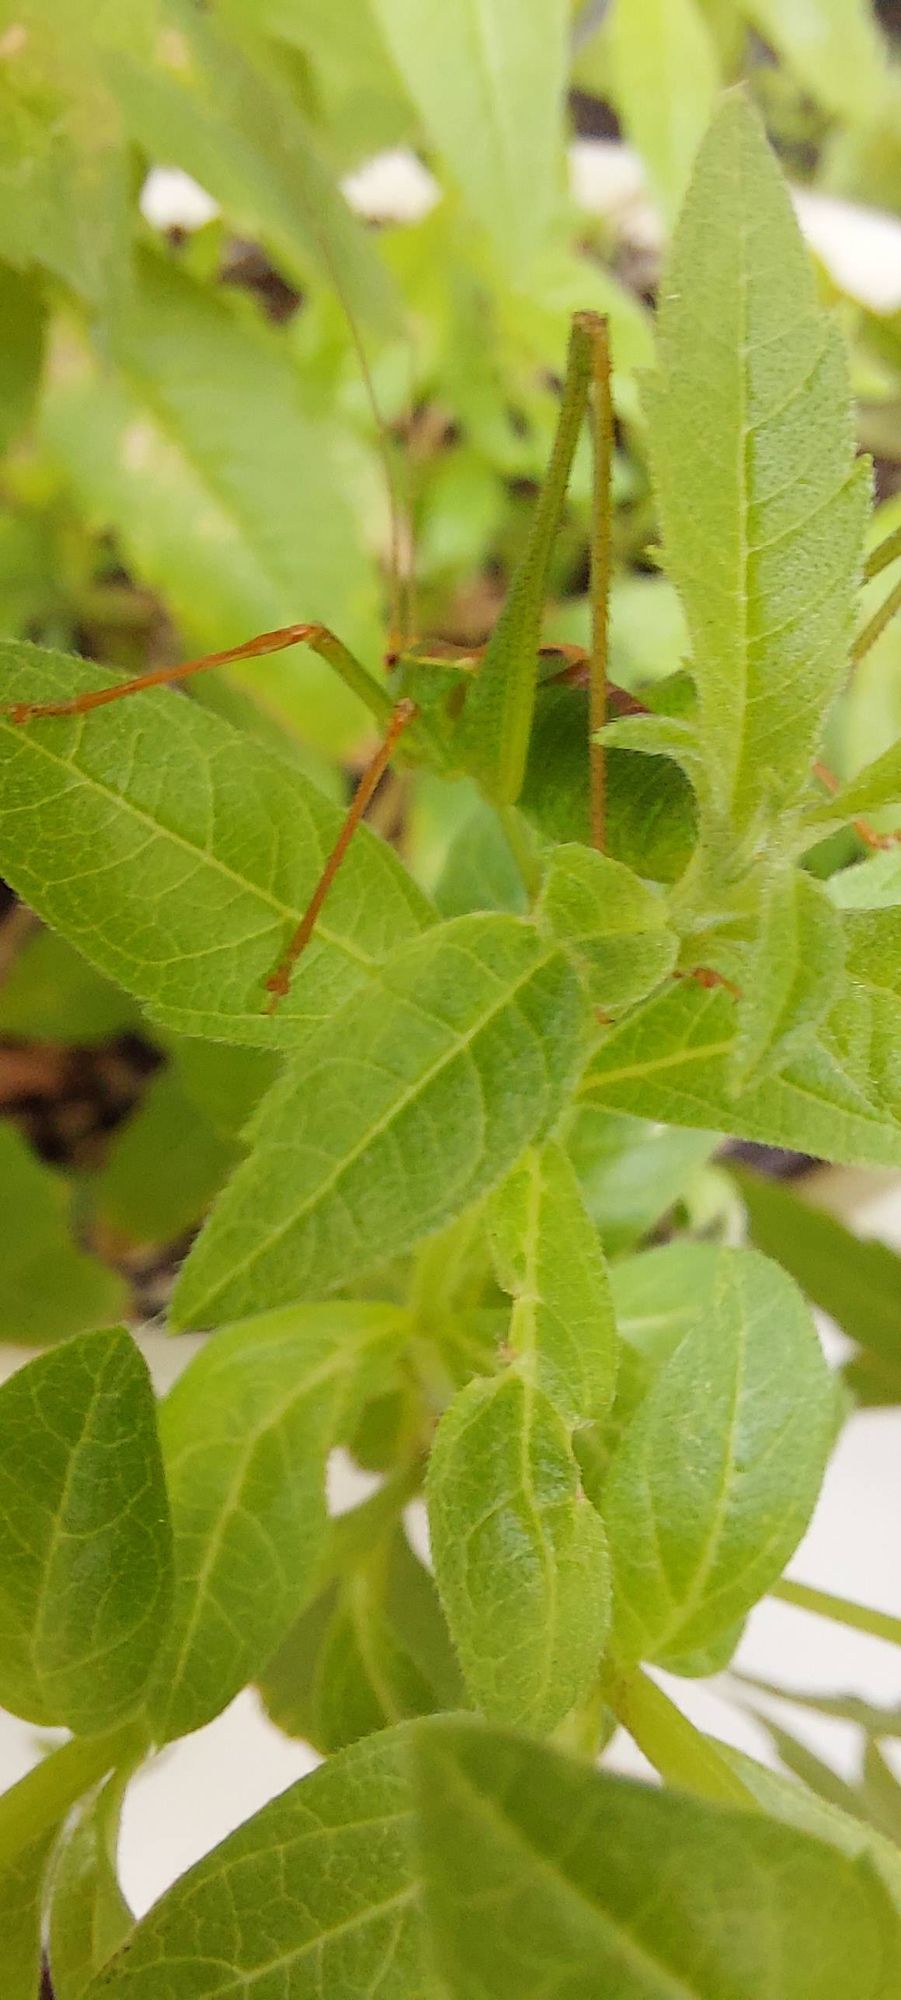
(681, 1753)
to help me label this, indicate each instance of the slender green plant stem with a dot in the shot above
(681, 1753)
(602, 440)
(879, 1624)
(877, 624)
(45, 1795)
(883, 554)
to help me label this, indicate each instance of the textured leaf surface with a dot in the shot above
(48, 1287)
(791, 976)
(877, 785)
(598, 1886)
(670, 1061)
(549, 1259)
(716, 1476)
(611, 921)
(488, 79)
(315, 1895)
(427, 1086)
(762, 508)
(245, 1434)
(665, 84)
(179, 856)
(520, 1555)
(85, 1541)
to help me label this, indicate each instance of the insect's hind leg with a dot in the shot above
(318, 637)
(279, 980)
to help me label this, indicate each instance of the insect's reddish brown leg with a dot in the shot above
(318, 637)
(279, 981)
(862, 827)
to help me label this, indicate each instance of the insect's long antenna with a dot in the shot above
(602, 442)
(279, 981)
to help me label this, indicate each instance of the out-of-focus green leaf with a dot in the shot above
(631, 1171)
(355, 92)
(50, 992)
(88, 1916)
(797, 1806)
(49, 1288)
(216, 109)
(665, 81)
(488, 79)
(21, 1898)
(833, 47)
(223, 480)
(22, 316)
(163, 1168)
(80, 1469)
(412, 1117)
(857, 1282)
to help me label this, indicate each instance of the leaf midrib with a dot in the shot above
(381, 1125)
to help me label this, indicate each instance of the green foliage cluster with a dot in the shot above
(449, 1207)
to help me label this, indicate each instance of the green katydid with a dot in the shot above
(472, 714)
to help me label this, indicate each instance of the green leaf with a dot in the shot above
(22, 312)
(209, 106)
(651, 817)
(671, 1061)
(488, 79)
(877, 785)
(163, 1167)
(89, 1917)
(611, 921)
(21, 1898)
(429, 1083)
(598, 1886)
(716, 1476)
(245, 1432)
(857, 1282)
(833, 47)
(791, 975)
(224, 476)
(520, 1555)
(385, 1654)
(658, 1297)
(665, 82)
(85, 1540)
(179, 856)
(761, 504)
(328, 1867)
(631, 1172)
(49, 1288)
(52, 993)
(799, 1807)
(548, 1257)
